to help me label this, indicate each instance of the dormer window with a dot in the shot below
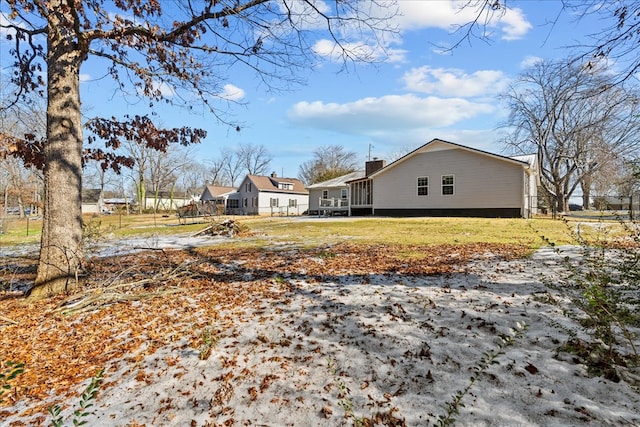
(285, 186)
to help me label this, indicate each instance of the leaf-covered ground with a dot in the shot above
(339, 335)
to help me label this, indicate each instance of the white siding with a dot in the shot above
(314, 198)
(259, 202)
(481, 181)
(91, 208)
(247, 191)
(264, 201)
(316, 193)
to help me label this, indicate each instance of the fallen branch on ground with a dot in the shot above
(116, 291)
(227, 227)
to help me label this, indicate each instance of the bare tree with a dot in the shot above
(163, 173)
(216, 173)
(574, 119)
(254, 159)
(192, 175)
(95, 176)
(328, 162)
(184, 45)
(627, 181)
(20, 183)
(153, 170)
(231, 165)
(400, 152)
(617, 42)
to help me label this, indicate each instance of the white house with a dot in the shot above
(442, 178)
(92, 201)
(269, 195)
(167, 200)
(214, 198)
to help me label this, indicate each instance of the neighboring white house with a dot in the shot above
(167, 200)
(92, 201)
(442, 178)
(269, 195)
(214, 198)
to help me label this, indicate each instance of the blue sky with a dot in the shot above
(414, 95)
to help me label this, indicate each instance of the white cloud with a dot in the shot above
(387, 114)
(454, 82)
(530, 61)
(515, 24)
(4, 21)
(304, 16)
(85, 77)
(354, 38)
(371, 53)
(165, 89)
(231, 93)
(336, 53)
(449, 15)
(414, 15)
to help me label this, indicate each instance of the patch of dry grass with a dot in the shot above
(415, 231)
(311, 231)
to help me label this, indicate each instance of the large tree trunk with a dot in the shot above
(61, 251)
(560, 202)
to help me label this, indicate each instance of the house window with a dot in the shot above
(244, 202)
(293, 203)
(447, 185)
(423, 186)
(274, 203)
(343, 193)
(285, 186)
(325, 194)
(233, 203)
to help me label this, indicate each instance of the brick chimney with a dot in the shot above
(374, 165)
(273, 174)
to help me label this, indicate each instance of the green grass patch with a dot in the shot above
(414, 231)
(17, 231)
(309, 232)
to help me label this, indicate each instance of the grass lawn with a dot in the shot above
(27, 230)
(416, 231)
(312, 231)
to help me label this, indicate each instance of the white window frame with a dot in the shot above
(452, 185)
(344, 193)
(418, 186)
(325, 194)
